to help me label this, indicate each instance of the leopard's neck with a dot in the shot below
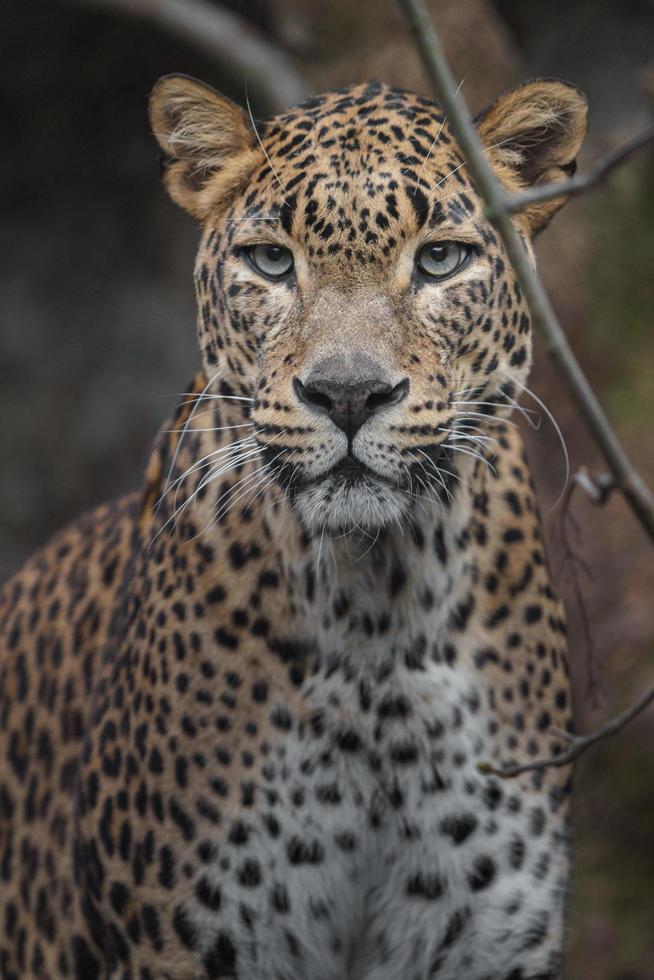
(342, 593)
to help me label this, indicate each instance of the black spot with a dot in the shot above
(208, 893)
(304, 852)
(249, 874)
(482, 874)
(458, 827)
(328, 793)
(404, 753)
(348, 740)
(397, 579)
(215, 594)
(226, 639)
(166, 867)
(516, 853)
(155, 761)
(184, 927)
(536, 821)
(237, 555)
(220, 961)
(281, 719)
(87, 967)
(492, 795)
(279, 898)
(455, 926)
(533, 614)
(118, 896)
(345, 840)
(424, 885)
(536, 932)
(239, 833)
(419, 203)
(182, 819)
(151, 926)
(439, 545)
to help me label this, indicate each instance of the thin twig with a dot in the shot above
(635, 490)
(580, 182)
(576, 566)
(238, 48)
(597, 488)
(578, 743)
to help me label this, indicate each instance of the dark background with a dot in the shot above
(97, 322)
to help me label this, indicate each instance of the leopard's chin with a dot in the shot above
(336, 505)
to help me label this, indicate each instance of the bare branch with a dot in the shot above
(580, 182)
(635, 490)
(624, 475)
(239, 49)
(578, 743)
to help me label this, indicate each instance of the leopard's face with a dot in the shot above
(353, 291)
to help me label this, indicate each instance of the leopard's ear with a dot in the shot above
(209, 148)
(533, 135)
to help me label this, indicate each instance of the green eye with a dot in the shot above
(439, 260)
(272, 261)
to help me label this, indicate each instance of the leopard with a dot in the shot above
(254, 715)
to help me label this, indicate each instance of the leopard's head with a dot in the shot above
(351, 290)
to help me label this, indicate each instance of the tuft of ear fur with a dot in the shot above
(533, 135)
(209, 149)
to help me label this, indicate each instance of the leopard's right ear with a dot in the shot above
(209, 148)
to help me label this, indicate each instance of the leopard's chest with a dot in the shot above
(381, 850)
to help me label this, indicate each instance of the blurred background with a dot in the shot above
(97, 312)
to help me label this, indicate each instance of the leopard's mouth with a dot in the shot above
(354, 493)
(350, 471)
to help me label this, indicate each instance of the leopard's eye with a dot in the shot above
(272, 261)
(439, 260)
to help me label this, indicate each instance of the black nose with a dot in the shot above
(349, 405)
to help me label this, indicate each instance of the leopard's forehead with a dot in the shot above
(361, 129)
(363, 168)
(366, 111)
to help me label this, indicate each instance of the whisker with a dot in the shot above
(526, 412)
(265, 153)
(475, 437)
(242, 485)
(212, 410)
(223, 450)
(438, 473)
(266, 467)
(206, 396)
(431, 148)
(245, 485)
(557, 429)
(212, 475)
(213, 428)
(478, 456)
(471, 416)
(188, 421)
(485, 149)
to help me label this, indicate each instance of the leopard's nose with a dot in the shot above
(349, 403)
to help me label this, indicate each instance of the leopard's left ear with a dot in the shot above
(209, 148)
(533, 135)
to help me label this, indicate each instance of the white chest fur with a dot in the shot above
(392, 856)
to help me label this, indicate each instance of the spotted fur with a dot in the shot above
(242, 710)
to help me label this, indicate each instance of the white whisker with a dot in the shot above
(230, 448)
(265, 152)
(471, 452)
(181, 439)
(557, 429)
